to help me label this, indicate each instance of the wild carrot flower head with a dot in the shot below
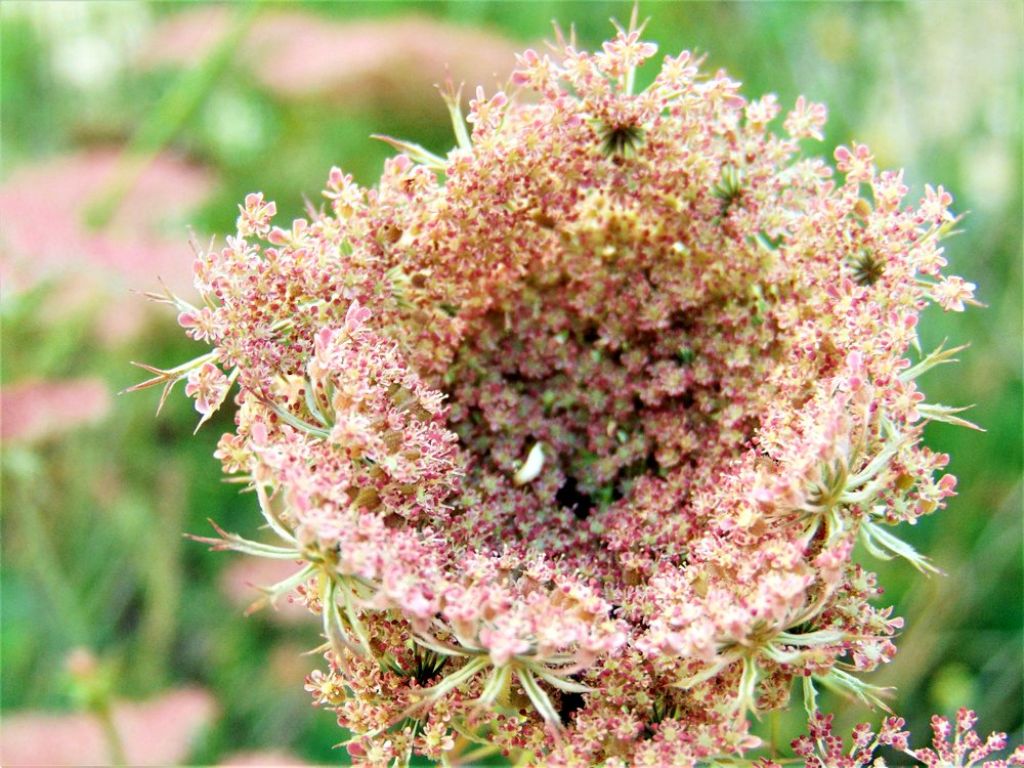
(573, 430)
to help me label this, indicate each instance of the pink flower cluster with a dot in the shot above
(953, 745)
(572, 432)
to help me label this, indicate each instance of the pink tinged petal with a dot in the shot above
(935, 204)
(277, 236)
(526, 61)
(324, 339)
(356, 317)
(502, 645)
(947, 485)
(258, 432)
(417, 604)
(187, 319)
(855, 370)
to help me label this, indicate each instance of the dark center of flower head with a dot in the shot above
(570, 497)
(867, 267)
(613, 358)
(620, 139)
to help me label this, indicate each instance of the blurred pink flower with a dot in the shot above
(43, 207)
(37, 410)
(155, 732)
(307, 56)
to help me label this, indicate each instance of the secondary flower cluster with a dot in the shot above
(954, 745)
(572, 432)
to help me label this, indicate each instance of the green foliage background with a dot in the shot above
(92, 521)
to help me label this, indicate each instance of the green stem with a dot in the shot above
(111, 735)
(42, 558)
(161, 573)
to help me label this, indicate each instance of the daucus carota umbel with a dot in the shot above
(571, 433)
